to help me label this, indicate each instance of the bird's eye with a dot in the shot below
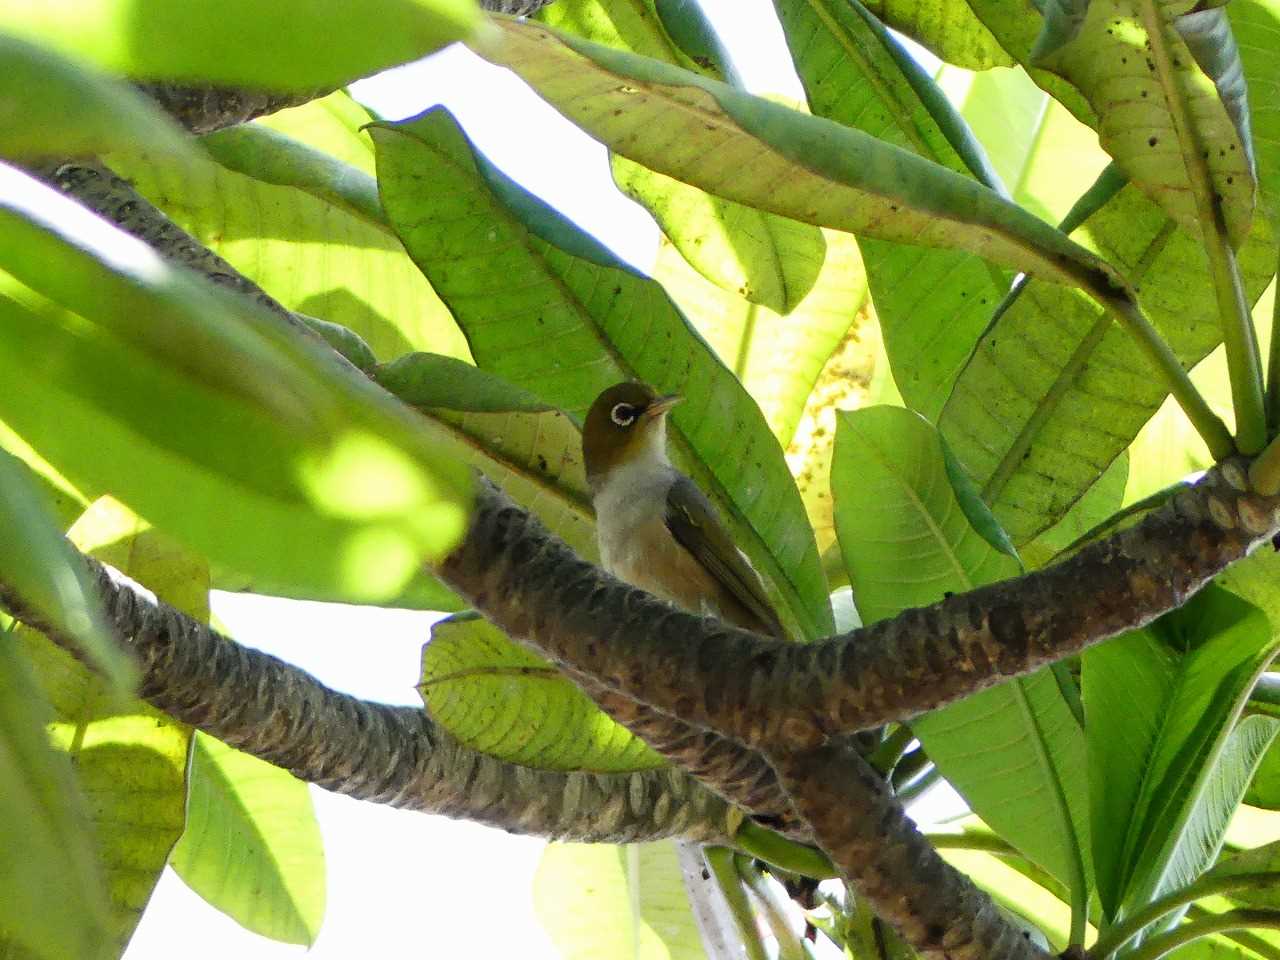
(623, 414)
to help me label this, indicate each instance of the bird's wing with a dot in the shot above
(693, 522)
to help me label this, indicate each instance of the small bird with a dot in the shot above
(655, 528)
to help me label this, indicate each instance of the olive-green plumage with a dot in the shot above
(655, 528)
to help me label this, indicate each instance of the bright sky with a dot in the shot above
(404, 884)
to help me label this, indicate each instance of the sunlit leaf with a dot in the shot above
(500, 699)
(55, 903)
(768, 260)
(1181, 139)
(252, 847)
(622, 902)
(1055, 389)
(777, 358)
(287, 45)
(294, 233)
(182, 398)
(41, 567)
(77, 110)
(130, 758)
(526, 446)
(765, 155)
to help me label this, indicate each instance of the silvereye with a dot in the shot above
(655, 528)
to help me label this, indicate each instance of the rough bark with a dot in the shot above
(205, 109)
(377, 752)
(773, 695)
(877, 848)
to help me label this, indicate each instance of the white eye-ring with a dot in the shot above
(623, 414)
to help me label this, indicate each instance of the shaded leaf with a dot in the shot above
(288, 45)
(501, 699)
(1256, 25)
(1014, 752)
(55, 902)
(622, 902)
(77, 110)
(1160, 705)
(551, 310)
(252, 847)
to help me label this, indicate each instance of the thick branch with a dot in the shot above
(781, 696)
(377, 752)
(877, 848)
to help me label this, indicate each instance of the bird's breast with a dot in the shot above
(637, 546)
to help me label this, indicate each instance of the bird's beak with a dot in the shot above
(662, 405)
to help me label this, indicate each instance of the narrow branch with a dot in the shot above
(877, 848)
(1116, 937)
(772, 695)
(376, 752)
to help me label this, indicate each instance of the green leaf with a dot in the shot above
(1139, 63)
(776, 358)
(766, 259)
(769, 260)
(289, 45)
(1160, 704)
(1256, 25)
(252, 847)
(76, 111)
(181, 398)
(55, 902)
(1097, 504)
(526, 446)
(39, 565)
(549, 309)
(131, 758)
(500, 699)
(333, 125)
(1055, 390)
(756, 152)
(1014, 752)
(946, 27)
(259, 152)
(294, 239)
(621, 902)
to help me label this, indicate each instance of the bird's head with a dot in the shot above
(627, 422)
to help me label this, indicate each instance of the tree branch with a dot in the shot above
(774, 695)
(377, 752)
(877, 848)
